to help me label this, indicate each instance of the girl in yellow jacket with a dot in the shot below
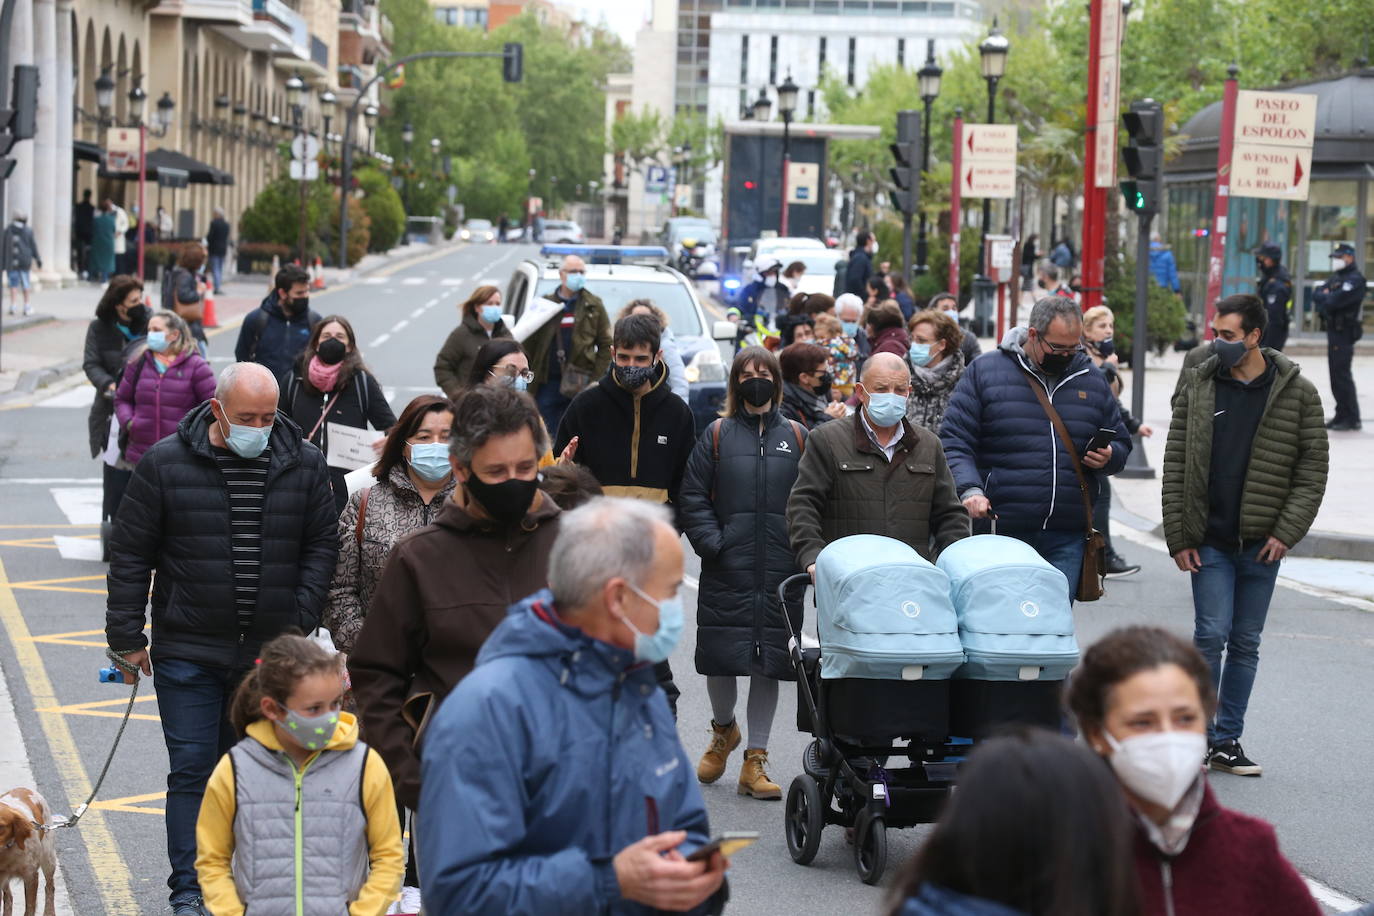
(298, 818)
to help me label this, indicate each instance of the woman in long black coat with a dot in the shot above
(732, 506)
(120, 319)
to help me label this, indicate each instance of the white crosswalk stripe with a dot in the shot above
(452, 281)
(375, 281)
(413, 281)
(381, 339)
(81, 505)
(80, 396)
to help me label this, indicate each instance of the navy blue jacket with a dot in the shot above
(999, 442)
(271, 337)
(552, 756)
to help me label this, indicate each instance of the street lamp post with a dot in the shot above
(787, 104)
(928, 78)
(992, 53)
(407, 138)
(295, 91)
(370, 119)
(328, 102)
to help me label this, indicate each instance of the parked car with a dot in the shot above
(820, 267)
(563, 232)
(478, 230)
(619, 274)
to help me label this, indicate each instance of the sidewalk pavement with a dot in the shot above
(38, 350)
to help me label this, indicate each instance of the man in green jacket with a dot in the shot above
(575, 341)
(1244, 474)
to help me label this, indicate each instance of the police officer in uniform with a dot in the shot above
(1276, 292)
(1339, 300)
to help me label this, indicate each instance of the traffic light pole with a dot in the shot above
(1138, 463)
(351, 116)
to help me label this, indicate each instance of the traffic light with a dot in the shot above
(906, 152)
(1144, 157)
(513, 62)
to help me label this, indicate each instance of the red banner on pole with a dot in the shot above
(1092, 249)
(1221, 204)
(954, 215)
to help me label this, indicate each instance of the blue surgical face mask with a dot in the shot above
(850, 328)
(310, 732)
(246, 441)
(575, 281)
(657, 647)
(920, 354)
(886, 409)
(491, 313)
(157, 341)
(430, 460)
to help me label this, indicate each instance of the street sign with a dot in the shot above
(655, 179)
(305, 171)
(682, 196)
(121, 149)
(1108, 95)
(1272, 152)
(988, 161)
(305, 147)
(803, 179)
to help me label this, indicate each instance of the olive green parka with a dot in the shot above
(1286, 477)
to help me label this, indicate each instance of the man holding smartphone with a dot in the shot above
(1244, 475)
(1002, 445)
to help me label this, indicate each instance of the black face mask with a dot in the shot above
(1055, 364)
(332, 351)
(756, 391)
(296, 306)
(823, 383)
(506, 502)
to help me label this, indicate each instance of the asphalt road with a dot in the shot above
(1309, 722)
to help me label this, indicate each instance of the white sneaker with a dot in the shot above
(410, 900)
(28, 310)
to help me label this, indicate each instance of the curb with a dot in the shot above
(24, 322)
(1324, 545)
(33, 379)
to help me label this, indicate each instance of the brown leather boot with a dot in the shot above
(724, 739)
(753, 780)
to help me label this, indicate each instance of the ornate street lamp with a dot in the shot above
(762, 106)
(992, 53)
(928, 79)
(787, 104)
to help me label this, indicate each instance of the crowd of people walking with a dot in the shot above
(464, 634)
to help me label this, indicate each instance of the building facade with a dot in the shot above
(222, 66)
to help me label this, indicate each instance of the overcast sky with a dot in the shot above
(623, 16)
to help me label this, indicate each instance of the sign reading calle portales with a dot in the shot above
(1272, 153)
(988, 165)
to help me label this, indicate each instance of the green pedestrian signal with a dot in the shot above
(1135, 198)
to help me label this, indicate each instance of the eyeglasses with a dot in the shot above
(1055, 348)
(511, 372)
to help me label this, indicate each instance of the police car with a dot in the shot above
(619, 274)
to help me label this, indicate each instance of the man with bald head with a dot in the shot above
(875, 473)
(571, 350)
(234, 514)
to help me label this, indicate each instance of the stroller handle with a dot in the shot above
(783, 588)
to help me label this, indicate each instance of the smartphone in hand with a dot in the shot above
(1101, 439)
(727, 844)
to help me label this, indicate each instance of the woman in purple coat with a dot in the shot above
(161, 384)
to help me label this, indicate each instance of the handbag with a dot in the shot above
(1094, 566)
(574, 380)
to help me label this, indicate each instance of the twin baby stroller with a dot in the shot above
(936, 656)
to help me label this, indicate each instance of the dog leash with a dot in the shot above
(59, 821)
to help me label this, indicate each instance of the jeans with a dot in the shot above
(217, 270)
(1061, 549)
(193, 701)
(552, 405)
(1231, 595)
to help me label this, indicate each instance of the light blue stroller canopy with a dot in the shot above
(1015, 620)
(883, 612)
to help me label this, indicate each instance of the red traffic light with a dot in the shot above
(749, 185)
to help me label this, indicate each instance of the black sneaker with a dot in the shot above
(1229, 758)
(1118, 568)
(1344, 426)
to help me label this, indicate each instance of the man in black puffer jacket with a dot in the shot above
(235, 516)
(276, 332)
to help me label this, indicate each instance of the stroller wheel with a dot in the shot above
(870, 848)
(804, 818)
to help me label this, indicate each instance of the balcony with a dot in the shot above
(364, 31)
(270, 26)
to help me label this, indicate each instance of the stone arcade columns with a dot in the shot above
(44, 217)
(66, 101)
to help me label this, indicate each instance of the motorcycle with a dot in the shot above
(690, 257)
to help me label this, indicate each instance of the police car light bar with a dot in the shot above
(608, 254)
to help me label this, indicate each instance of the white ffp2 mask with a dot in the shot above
(1159, 766)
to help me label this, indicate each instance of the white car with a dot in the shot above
(820, 267)
(640, 273)
(563, 232)
(771, 246)
(478, 230)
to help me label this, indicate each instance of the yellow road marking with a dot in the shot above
(108, 709)
(129, 804)
(33, 582)
(115, 883)
(31, 542)
(69, 639)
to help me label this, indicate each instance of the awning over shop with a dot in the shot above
(168, 167)
(86, 151)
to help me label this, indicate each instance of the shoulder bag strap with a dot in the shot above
(362, 520)
(1064, 437)
(715, 452)
(324, 413)
(797, 432)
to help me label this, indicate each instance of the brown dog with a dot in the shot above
(25, 849)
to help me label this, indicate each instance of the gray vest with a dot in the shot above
(330, 847)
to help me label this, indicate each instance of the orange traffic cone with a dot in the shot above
(318, 271)
(209, 320)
